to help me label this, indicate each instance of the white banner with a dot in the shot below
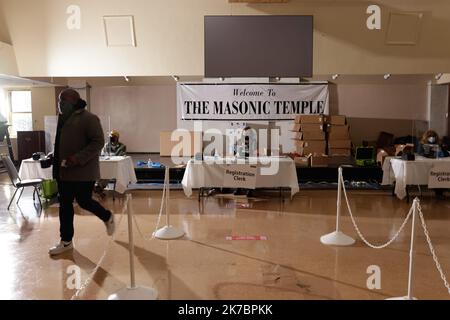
(439, 176)
(239, 176)
(244, 101)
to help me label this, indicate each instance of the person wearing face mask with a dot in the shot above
(429, 145)
(112, 148)
(79, 139)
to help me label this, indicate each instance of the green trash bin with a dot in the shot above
(49, 189)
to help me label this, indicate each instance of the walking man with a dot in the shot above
(79, 140)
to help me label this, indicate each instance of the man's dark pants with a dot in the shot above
(82, 192)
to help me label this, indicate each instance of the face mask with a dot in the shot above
(431, 139)
(65, 107)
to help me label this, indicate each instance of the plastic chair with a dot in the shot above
(20, 184)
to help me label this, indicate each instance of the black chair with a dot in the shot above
(20, 184)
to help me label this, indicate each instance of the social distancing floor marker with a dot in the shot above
(246, 238)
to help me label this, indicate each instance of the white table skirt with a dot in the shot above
(406, 173)
(119, 168)
(210, 174)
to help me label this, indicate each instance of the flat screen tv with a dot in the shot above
(258, 46)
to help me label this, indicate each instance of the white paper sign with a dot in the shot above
(239, 176)
(439, 176)
(250, 101)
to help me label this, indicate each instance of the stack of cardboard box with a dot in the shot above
(339, 143)
(310, 140)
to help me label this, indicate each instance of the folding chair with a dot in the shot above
(20, 184)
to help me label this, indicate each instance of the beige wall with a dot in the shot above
(382, 101)
(141, 112)
(43, 104)
(169, 35)
(7, 60)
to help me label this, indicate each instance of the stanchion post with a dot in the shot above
(168, 232)
(338, 238)
(339, 199)
(412, 254)
(131, 246)
(133, 292)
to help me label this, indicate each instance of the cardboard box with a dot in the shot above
(310, 118)
(338, 129)
(310, 135)
(338, 132)
(302, 161)
(310, 147)
(337, 120)
(311, 127)
(183, 146)
(339, 152)
(310, 143)
(338, 136)
(296, 127)
(340, 144)
(319, 160)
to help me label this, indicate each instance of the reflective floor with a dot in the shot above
(290, 264)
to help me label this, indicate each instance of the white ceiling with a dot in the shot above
(12, 81)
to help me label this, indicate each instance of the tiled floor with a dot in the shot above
(290, 264)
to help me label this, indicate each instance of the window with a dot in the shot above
(20, 115)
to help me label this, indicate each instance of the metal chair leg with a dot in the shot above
(20, 194)
(9, 205)
(39, 198)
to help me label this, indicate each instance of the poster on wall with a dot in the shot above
(251, 101)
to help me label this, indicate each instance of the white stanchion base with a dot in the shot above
(136, 293)
(402, 298)
(337, 238)
(169, 232)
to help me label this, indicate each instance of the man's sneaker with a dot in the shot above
(110, 225)
(61, 247)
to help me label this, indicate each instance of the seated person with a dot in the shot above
(112, 148)
(248, 147)
(429, 147)
(429, 144)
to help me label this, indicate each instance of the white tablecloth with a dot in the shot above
(210, 174)
(119, 168)
(406, 173)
